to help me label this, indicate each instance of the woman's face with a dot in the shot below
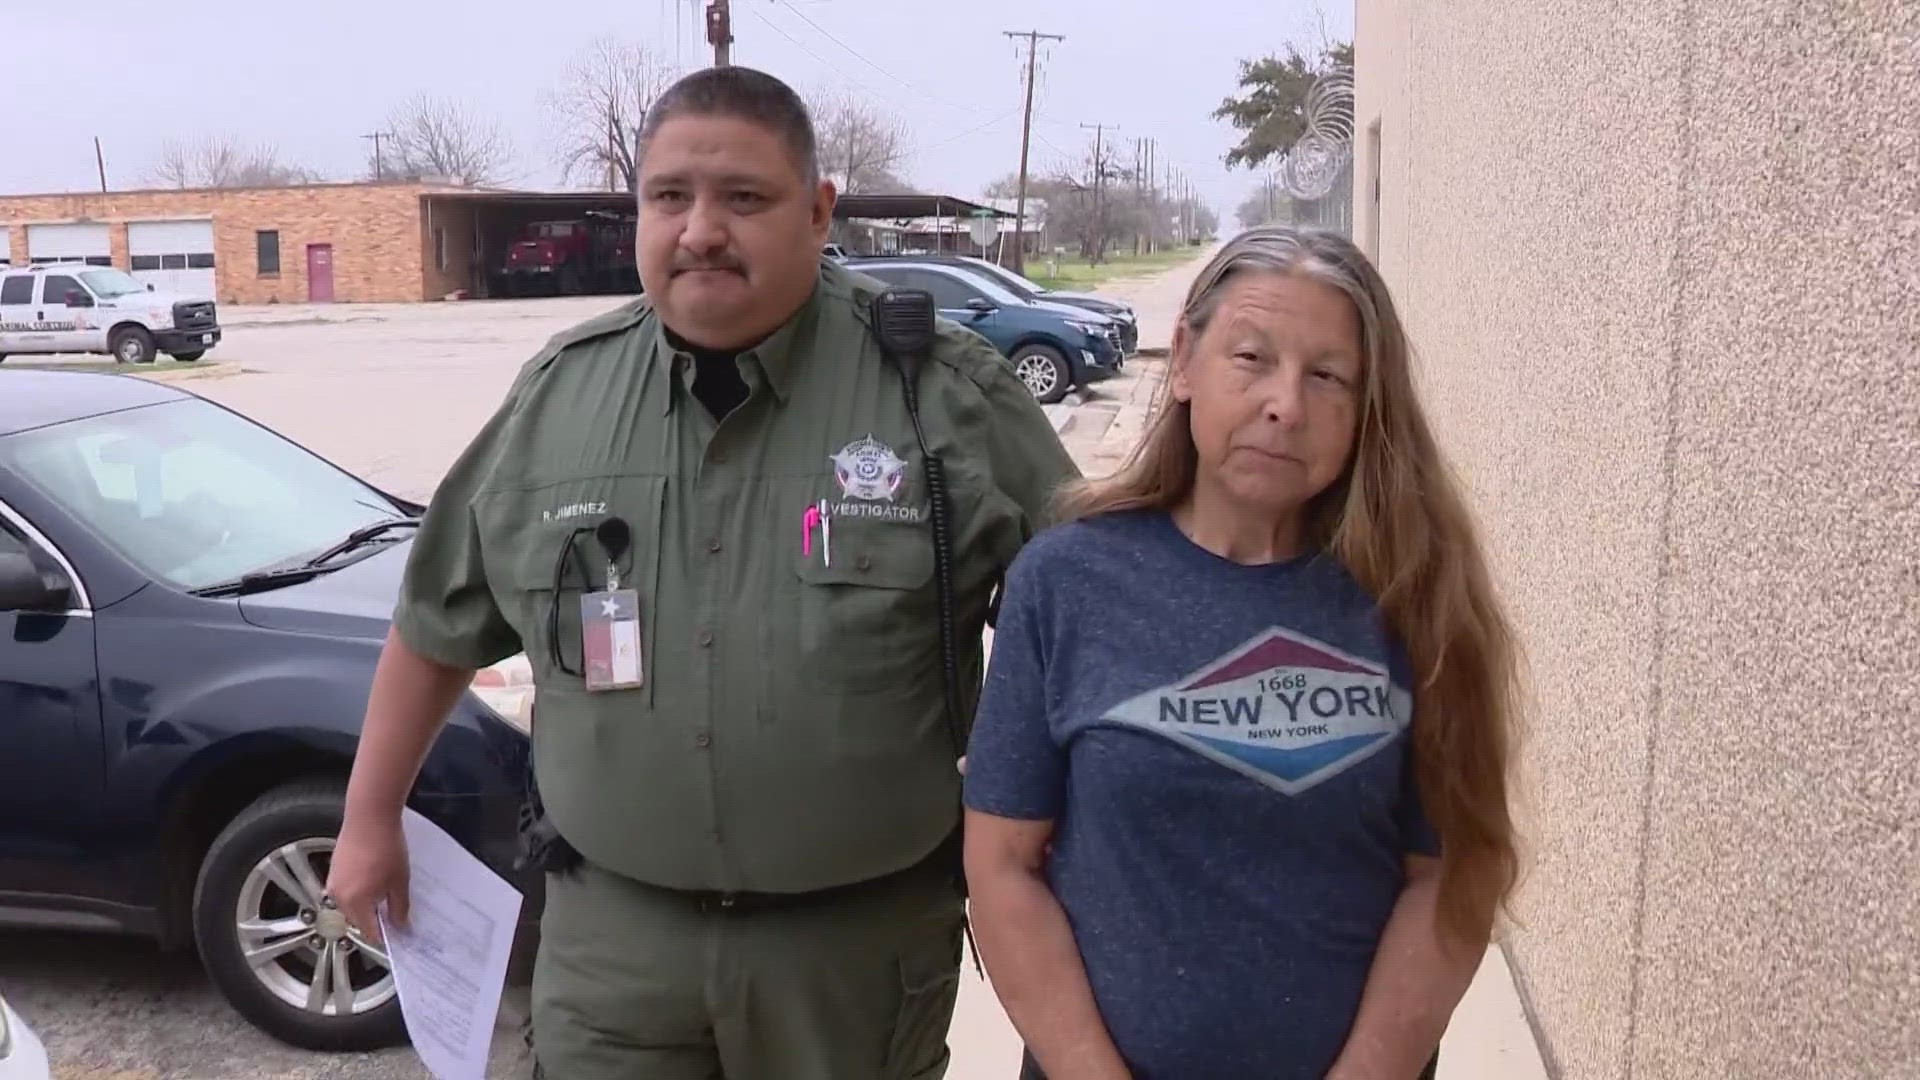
(1274, 385)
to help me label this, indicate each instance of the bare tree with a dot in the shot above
(441, 138)
(862, 146)
(597, 108)
(222, 161)
(1092, 201)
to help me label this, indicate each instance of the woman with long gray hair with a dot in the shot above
(1238, 789)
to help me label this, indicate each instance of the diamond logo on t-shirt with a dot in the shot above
(1283, 709)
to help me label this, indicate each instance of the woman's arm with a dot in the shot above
(1416, 980)
(1029, 951)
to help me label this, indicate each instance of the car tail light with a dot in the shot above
(507, 689)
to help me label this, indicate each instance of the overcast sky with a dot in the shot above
(137, 72)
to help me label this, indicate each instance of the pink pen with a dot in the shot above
(809, 521)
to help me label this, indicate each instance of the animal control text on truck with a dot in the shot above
(79, 308)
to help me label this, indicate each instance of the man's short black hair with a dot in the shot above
(742, 94)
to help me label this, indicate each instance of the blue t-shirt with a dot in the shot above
(1224, 750)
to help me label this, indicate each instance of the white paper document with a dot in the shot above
(450, 963)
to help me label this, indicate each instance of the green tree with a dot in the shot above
(1271, 108)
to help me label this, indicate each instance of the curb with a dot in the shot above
(209, 371)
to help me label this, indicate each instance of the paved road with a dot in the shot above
(393, 393)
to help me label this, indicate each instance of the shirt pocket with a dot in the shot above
(549, 557)
(868, 621)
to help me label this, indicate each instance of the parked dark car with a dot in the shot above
(1028, 289)
(191, 607)
(1053, 347)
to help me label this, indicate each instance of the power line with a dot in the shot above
(837, 69)
(857, 55)
(1008, 115)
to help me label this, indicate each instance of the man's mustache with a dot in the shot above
(729, 265)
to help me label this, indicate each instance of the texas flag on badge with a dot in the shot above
(610, 639)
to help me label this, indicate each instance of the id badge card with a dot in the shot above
(610, 640)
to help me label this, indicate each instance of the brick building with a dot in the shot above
(362, 242)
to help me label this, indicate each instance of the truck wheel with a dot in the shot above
(131, 345)
(289, 965)
(189, 357)
(1045, 372)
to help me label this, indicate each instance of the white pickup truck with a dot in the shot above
(79, 308)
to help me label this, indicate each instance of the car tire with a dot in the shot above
(131, 345)
(253, 874)
(1045, 372)
(189, 357)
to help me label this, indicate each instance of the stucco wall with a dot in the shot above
(1663, 265)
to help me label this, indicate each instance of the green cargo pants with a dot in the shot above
(634, 983)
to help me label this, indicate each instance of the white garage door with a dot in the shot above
(69, 243)
(174, 256)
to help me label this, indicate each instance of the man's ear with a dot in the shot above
(824, 198)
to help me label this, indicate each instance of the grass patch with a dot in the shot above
(1077, 275)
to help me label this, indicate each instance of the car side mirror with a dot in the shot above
(982, 305)
(76, 298)
(149, 286)
(24, 588)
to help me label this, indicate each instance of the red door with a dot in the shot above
(320, 273)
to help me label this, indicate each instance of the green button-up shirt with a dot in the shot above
(790, 732)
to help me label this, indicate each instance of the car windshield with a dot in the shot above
(1023, 285)
(107, 284)
(1000, 293)
(192, 494)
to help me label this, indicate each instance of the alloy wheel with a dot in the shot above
(300, 946)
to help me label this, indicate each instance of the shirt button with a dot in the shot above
(704, 638)
(863, 563)
(703, 740)
(713, 546)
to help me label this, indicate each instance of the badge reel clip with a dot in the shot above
(610, 647)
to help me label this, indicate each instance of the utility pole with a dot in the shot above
(1173, 226)
(379, 170)
(613, 153)
(1099, 210)
(720, 31)
(100, 159)
(1026, 135)
(1139, 187)
(1153, 196)
(1187, 225)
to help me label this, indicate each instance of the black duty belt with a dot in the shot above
(926, 874)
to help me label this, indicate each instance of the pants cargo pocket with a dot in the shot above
(930, 988)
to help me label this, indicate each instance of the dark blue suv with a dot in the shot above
(191, 607)
(1053, 347)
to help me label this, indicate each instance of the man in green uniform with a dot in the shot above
(742, 727)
